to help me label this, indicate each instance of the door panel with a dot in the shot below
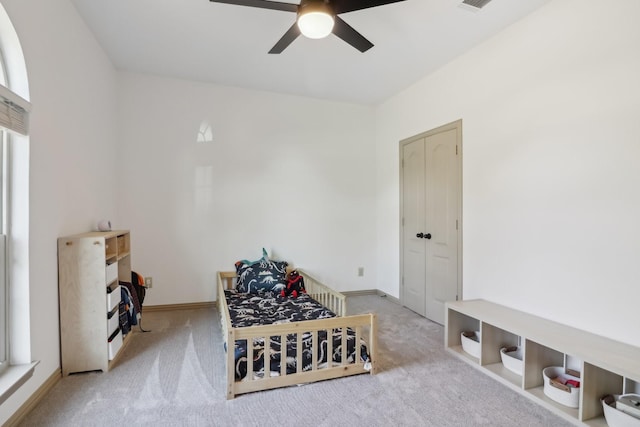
(440, 267)
(442, 211)
(413, 256)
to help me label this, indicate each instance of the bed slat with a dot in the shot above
(250, 360)
(283, 354)
(358, 349)
(314, 350)
(266, 356)
(299, 352)
(343, 353)
(329, 347)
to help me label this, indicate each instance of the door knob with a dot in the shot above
(427, 236)
(419, 235)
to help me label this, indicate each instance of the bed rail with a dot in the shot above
(333, 300)
(364, 325)
(226, 280)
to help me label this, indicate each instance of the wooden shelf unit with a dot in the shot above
(606, 366)
(90, 267)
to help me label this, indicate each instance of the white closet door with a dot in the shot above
(430, 221)
(413, 251)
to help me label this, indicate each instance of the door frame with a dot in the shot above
(457, 125)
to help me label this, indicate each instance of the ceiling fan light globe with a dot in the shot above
(315, 25)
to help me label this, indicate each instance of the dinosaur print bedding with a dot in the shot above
(269, 308)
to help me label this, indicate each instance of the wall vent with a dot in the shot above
(474, 4)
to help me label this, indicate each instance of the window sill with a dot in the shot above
(13, 378)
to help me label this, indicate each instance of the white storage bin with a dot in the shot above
(111, 273)
(113, 323)
(113, 298)
(615, 417)
(630, 404)
(569, 397)
(512, 359)
(115, 344)
(471, 343)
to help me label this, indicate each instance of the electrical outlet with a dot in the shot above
(360, 271)
(148, 282)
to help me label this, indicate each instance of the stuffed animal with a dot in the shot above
(295, 285)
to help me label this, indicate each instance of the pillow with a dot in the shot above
(261, 276)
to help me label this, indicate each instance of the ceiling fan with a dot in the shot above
(317, 19)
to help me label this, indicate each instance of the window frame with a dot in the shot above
(4, 289)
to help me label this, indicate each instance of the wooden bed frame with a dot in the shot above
(363, 325)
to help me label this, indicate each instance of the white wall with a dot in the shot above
(293, 175)
(72, 156)
(551, 142)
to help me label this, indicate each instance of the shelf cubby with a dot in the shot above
(598, 382)
(538, 357)
(124, 245)
(111, 249)
(493, 339)
(460, 323)
(631, 386)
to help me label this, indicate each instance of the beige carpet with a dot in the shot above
(174, 376)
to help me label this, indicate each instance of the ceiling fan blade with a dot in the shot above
(263, 4)
(351, 36)
(288, 38)
(343, 6)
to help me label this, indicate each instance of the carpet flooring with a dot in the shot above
(175, 376)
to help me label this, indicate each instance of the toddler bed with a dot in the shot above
(308, 333)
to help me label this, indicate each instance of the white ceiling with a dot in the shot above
(227, 44)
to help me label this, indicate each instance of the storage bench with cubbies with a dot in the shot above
(605, 367)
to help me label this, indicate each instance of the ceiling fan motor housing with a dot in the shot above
(315, 18)
(308, 6)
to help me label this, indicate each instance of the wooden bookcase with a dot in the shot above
(90, 266)
(606, 366)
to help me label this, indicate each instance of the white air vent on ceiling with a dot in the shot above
(474, 5)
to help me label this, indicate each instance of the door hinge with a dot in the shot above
(402, 163)
(456, 150)
(403, 222)
(456, 224)
(456, 297)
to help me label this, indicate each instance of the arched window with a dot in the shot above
(16, 366)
